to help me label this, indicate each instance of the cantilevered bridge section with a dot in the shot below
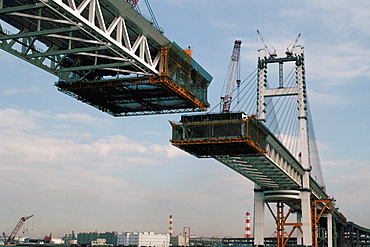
(105, 54)
(246, 145)
(242, 143)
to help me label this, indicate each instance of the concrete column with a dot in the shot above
(299, 234)
(329, 222)
(259, 218)
(306, 218)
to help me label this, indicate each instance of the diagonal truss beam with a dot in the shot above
(66, 26)
(91, 67)
(70, 51)
(96, 20)
(37, 33)
(20, 8)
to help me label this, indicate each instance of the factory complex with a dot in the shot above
(149, 239)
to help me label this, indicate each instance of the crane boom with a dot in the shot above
(133, 2)
(232, 76)
(12, 235)
(265, 42)
(289, 51)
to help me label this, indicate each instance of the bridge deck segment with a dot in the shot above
(245, 145)
(95, 41)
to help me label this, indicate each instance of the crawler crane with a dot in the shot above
(233, 76)
(10, 239)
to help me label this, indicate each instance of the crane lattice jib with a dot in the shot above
(232, 76)
(133, 2)
(16, 228)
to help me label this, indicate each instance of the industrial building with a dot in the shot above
(143, 239)
(179, 241)
(87, 238)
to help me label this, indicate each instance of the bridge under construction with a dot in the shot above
(283, 176)
(107, 55)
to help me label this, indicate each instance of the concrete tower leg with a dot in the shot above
(306, 218)
(299, 234)
(259, 218)
(329, 222)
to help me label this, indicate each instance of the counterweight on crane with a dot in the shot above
(12, 235)
(233, 76)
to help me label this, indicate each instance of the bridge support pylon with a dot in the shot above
(259, 217)
(292, 199)
(303, 192)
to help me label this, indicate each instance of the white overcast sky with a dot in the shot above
(76, 168)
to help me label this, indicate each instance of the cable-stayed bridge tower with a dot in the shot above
(304, 192)
(105, 54)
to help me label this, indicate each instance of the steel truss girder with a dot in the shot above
(71, 25)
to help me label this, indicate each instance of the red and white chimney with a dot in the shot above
(170, 226)
(248, 232)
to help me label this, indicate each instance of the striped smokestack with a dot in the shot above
(170, 226)
(248, 233)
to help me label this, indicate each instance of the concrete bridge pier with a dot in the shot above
(259, 217)
(306, 218)
(296, 202)
(329, 229)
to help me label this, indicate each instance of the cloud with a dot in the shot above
(327, 98)
(10, 119)
(12, 91)
(347, 177)
(28, 141)
(75, 117)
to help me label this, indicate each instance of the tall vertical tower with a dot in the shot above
(265, 92)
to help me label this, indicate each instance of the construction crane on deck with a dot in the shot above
(233, 75)
(10, 239)
(133, 2)
(265, 42)
(291, 47)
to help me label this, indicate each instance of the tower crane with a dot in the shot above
(291, 47)
(10, 239)
(233, 76)
(264, 42)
